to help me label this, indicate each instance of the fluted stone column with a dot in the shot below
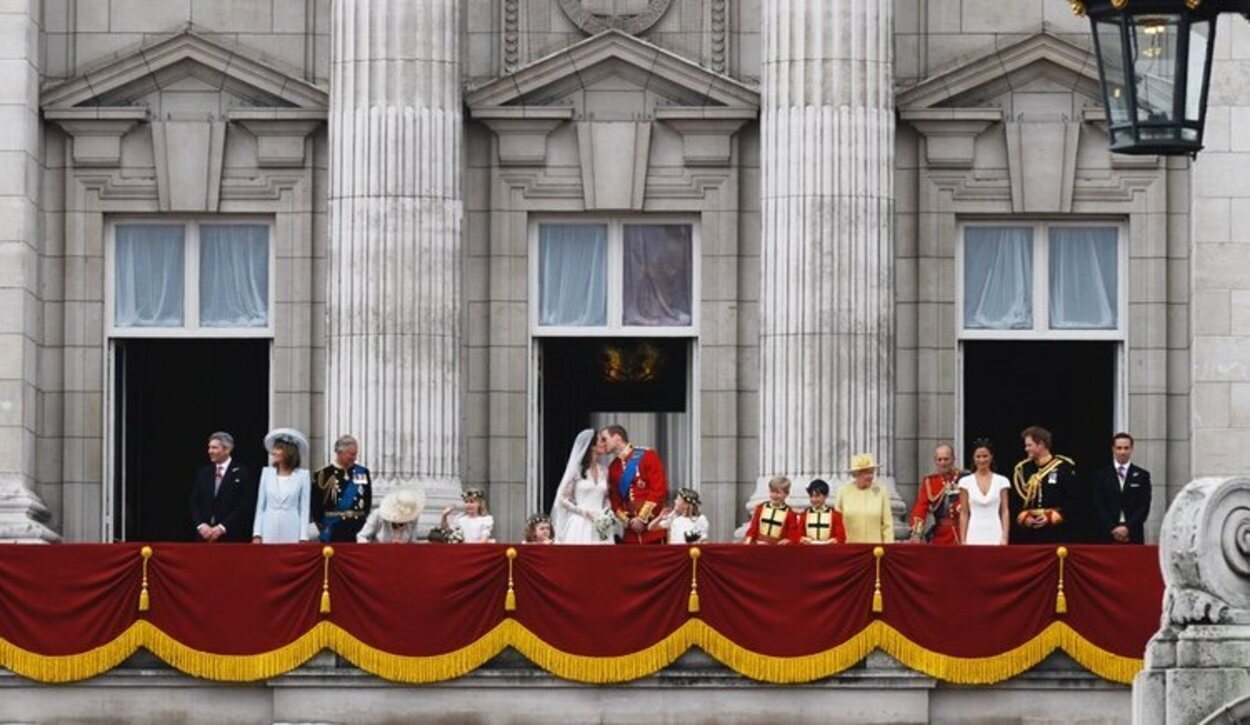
(23, 515)
(393, 299)
(826, 296)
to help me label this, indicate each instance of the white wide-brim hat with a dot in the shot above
(291, 436)
(402, 505)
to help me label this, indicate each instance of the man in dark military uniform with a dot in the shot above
(342, 494)
(1043, 487)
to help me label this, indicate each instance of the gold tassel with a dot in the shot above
(693, 605)
(145, 602)
(326, 553)
(1061, 599)
(509, 599)
(878, 601)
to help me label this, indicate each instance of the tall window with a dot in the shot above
(1051, 280)
(170, 278)
(615, 277)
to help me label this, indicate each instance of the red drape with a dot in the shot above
(397, 610)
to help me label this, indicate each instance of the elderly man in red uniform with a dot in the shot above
(637, 486)
(938, 496)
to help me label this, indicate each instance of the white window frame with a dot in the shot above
(615, 287)
(1041, 329)
(190, 327)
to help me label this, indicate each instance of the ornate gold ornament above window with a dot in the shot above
(639, 363)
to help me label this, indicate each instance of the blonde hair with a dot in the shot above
(779, 483)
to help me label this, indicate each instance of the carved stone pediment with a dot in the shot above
(614, 89)
(612, 62)
(99, 108)
(1017, 113)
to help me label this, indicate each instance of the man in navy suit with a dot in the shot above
(1122, 495)
(223, 499)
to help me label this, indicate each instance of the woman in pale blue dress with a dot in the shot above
(284, 496)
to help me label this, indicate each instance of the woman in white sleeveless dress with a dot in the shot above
(582, 497)
(983, 517)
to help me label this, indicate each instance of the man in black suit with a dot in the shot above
(223, 499)
(1122, 495)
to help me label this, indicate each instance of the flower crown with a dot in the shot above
(471, 494)
(537, 519)
(689, 495)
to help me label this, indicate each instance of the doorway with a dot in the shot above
(170, 395)
(1066, 387)
(642, 384)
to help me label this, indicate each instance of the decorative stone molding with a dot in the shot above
(96, 132)
(705, 131)
(1196, 664)
(716, 36)
(627, 16)
(514, 39)
(951, 133)
(280, 133)
(522, 130)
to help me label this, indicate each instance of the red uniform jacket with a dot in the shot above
(772, 525)
(823, 526)
(645, 498)
(929, 497)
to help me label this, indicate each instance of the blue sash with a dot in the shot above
(347, 499)
(630, 473)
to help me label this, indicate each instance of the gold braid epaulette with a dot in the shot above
(1027, 490)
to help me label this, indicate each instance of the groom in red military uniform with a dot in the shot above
(637, 486)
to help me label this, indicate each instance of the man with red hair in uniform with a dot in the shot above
(637, 486)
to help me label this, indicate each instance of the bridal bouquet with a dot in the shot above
(455, 536)
(605, 525)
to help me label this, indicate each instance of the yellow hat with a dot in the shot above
(863, 462)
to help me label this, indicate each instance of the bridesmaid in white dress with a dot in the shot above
(983, 517)
(284, 495)
(475, 522)
(582, 497)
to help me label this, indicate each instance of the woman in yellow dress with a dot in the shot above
(865, 504)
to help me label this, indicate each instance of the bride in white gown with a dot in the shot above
(582, 497)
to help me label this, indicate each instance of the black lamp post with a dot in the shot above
(1154, 59)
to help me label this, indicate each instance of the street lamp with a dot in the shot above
(1154, 59)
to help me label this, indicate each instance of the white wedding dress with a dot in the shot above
(580, 497)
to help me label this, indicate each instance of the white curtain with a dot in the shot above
(998, 278)
(1083, 264)
(234, 275)
(572, 274)
(657, 284)
(149, 275)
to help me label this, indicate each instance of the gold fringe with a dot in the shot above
(509, 599)
(878, 601)
(692, 606)
(421, 670)
(578, 668)
(604, 670)
(326, 553)
(1061, 599)
(145, 602)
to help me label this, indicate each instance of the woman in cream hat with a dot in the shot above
(394, 521)
(865, 504)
